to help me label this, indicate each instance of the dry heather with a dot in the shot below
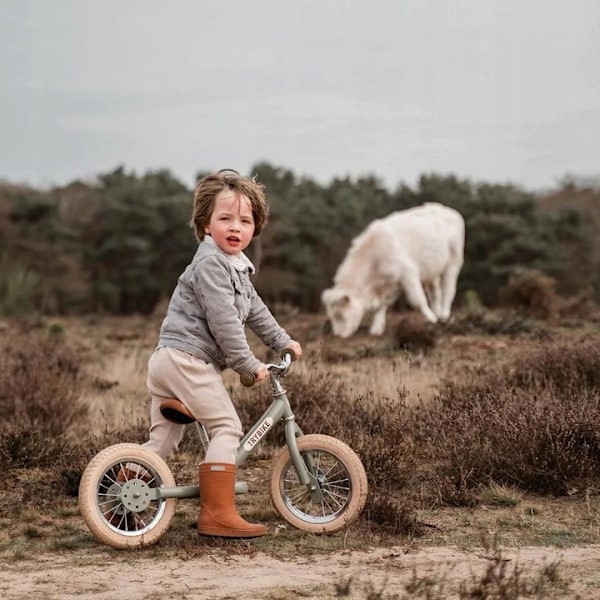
(487, 426)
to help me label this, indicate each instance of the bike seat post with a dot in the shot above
(203, 435)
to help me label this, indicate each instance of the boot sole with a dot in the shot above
(231, 533)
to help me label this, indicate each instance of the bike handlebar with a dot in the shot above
(248, 379)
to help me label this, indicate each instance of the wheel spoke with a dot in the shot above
(299, 496)
(332, 479)
(337, 485)
(332, 500)
(109, 497)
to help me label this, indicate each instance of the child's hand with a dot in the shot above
(261, 373)
(296, 348)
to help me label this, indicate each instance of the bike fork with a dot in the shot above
(302, 461)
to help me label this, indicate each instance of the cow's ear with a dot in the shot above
(344, 300)
(333, 297)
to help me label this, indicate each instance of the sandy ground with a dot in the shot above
(386, 572)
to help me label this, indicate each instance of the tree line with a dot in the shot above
(116, 245)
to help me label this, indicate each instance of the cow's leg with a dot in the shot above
(449, 279)
(434, 296)
(416, 296)
(378, 322)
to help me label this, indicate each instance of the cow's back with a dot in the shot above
(424, 238)
(430, 236)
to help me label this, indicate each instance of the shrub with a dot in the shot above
(17, 288)
(531, 293)
(40, 386)
(25, 448)
(397, 517)
(71, 463)
(572, 367)
(414, 334)
(494, 323)
(579, 306)
(535, 425)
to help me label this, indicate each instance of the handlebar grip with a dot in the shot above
(247, 379)
(289, 351)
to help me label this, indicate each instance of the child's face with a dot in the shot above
(231, 224)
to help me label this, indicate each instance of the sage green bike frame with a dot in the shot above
(279, 411)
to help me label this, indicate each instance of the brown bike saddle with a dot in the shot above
(175, 411)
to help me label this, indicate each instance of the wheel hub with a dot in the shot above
(135, 495)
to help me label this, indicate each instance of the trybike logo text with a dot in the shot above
(258, 434)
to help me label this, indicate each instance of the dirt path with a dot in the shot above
(98, 576)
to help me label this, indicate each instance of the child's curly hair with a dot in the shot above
(209, 187)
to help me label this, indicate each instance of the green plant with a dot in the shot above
(17, 288)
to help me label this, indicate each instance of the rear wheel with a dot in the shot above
(116, 499)
(341, 478)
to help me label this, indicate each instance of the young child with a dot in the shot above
(203, 334)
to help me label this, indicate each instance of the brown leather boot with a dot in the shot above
(218, 515)
(126, 473)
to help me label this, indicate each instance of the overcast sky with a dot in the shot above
(504, 91)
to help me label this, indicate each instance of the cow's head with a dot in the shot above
(344, 311)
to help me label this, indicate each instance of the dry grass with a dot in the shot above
(376, 394)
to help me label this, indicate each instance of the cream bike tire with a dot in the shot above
(342, 481)
(116, 500)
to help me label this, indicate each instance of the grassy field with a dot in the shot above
(481, 433)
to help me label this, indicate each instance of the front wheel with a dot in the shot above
(341, 478)
(116, 499)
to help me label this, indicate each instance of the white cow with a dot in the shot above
(413, 250)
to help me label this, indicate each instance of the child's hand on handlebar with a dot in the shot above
(249, 379)
(295, 347)
(261, 373)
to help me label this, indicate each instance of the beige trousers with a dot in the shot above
(176, 374)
